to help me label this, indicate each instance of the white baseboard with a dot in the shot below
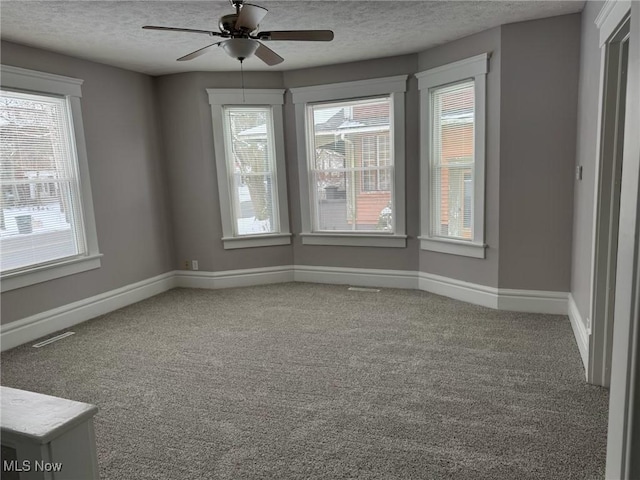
(361, 277)
(234, 278)
(536, 301)
(31, 328)
(36, 326)
(579, 331)
(533, 301)
(459, 290)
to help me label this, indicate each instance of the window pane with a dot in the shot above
(40, 219)
(352, 168)
(251, 164)
(452, 160)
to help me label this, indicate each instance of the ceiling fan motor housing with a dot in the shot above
(227, 23)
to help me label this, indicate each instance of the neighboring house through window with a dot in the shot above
(452, 157)
(47, 227)
(376, 162)
(351, 151)
(249, 150)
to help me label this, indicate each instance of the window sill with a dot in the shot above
(354, 240)
(453, 247)
(249, 241)
(12, 281)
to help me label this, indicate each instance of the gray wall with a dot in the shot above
(358, 257)
(586, 155)
(539, 81)
(192, 178)
(127, 178)
(482, 271)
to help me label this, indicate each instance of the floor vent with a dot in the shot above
(53, 339)
(363, 289)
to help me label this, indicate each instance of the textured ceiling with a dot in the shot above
(109, 31)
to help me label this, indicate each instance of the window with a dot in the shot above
(351, 150)
(250, 160)
(47, 229)
(249, 151)
(353, 164)
(452, 157)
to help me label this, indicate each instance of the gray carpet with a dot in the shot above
(313, 381)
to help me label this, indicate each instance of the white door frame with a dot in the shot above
(624, 422)
(614, 30)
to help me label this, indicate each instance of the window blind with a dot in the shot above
(351, 166)
(250, 157)
(40, 214)
(452, 160)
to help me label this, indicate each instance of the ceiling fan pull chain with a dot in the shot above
(242, 79)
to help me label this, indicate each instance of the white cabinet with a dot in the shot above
(53, 437)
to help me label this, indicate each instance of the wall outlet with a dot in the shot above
(194, 264)
(186, 264)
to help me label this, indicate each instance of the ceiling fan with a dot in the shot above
(242, 38)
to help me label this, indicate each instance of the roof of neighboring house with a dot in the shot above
(339, 122)
(259, 131)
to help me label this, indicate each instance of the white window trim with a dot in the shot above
(248, 241)
(218, 98)
(47, 83)
(395, 87)
(476, 68)
(354, 239)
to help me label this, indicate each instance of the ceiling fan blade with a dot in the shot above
(198, 52)
(268, 56)
(306, 35)
(250, 16)
(174, 29)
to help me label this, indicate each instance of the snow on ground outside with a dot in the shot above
(50, 238)
(250, 225)
(49, 218)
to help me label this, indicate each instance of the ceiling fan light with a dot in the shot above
(240, 48)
